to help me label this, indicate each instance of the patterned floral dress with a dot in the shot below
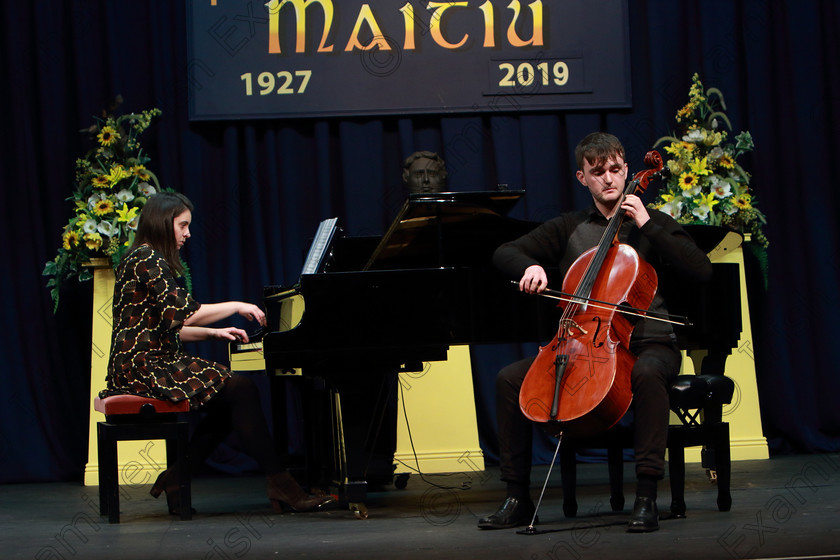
(146, 353)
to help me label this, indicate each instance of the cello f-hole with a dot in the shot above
(595, 342)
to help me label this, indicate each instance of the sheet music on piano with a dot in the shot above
(318, 250)
(279, 301)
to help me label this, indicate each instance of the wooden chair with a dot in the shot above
(131, 417)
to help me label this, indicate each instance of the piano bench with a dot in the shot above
(690, 395)
(132, 417)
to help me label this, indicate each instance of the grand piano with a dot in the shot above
(377, 306)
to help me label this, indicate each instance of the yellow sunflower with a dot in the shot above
(140, 172)
(108, 135)
(743, 201)
(103, 207)
(688, 180)
(93, 241)
(70, 239)
(100, 182)
(726, 161)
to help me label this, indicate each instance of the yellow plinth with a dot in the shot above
(139, 461)
(747, 440)
(440, 433)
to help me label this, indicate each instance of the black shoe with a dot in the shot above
(513, 513)
(645, 517)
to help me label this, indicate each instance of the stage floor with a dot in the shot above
(786, 507)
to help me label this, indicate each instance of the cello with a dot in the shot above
(581, 379)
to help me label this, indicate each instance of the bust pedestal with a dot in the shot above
(746, 438)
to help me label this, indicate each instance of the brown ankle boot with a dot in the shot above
(284, 489)
(168, 482)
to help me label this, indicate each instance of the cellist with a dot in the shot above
(660, 241)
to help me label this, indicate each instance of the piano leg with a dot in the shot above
(367, 421)
(350, 431)
(301, 438)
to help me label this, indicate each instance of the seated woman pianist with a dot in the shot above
(153, 315)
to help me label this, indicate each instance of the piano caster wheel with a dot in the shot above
(360, 510)
(401, 481)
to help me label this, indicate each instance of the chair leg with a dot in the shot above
(724, 466)
(101, 454)
(185, 485)
(109, 486)
(676, 472)
(615, 459)
(568, 474)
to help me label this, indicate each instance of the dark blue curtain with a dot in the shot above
(260, 188)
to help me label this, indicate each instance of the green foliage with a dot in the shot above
(112, 184)
(706, 184)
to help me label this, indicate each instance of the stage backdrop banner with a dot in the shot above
(318, 58)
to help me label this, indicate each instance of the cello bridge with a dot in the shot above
(570, 323)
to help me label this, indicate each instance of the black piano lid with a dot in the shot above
(446, 229)
(708, 238)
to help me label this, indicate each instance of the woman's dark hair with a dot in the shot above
(155, 226)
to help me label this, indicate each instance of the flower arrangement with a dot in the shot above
(706, 184)
(112, 184)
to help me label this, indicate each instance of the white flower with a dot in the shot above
(125, 195)
(693, 191)
(94, 198)
(695, 135)
(146, 189)
(673, 208)
(90, 225)
(107, 229)
(701, 212)
(719, 187)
